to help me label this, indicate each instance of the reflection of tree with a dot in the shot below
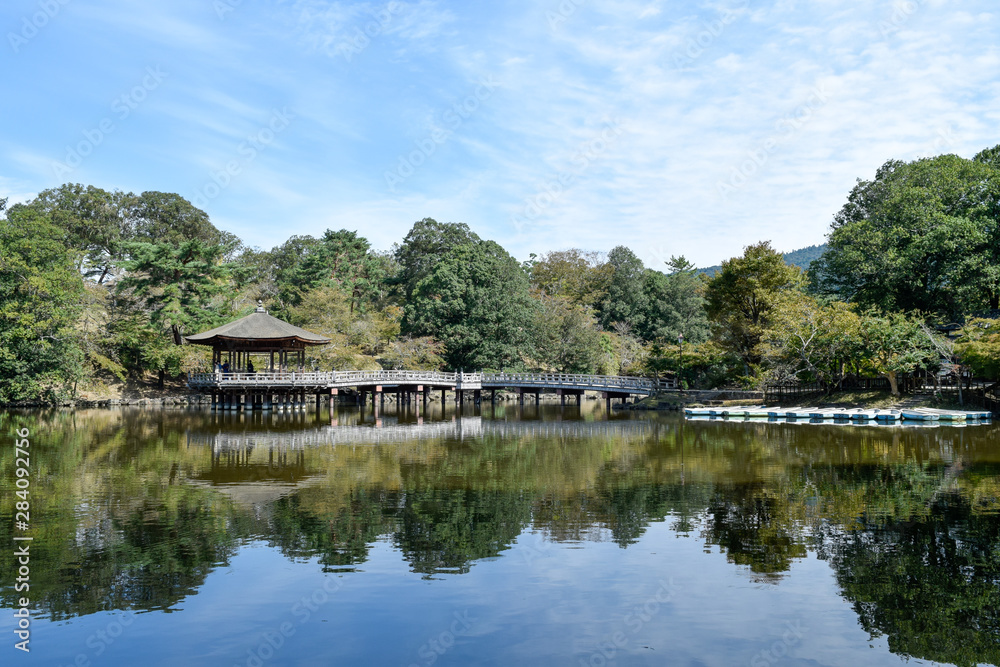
(341, 537)
(445, 530)
(754, 528)
(153, 555)
(931, 585)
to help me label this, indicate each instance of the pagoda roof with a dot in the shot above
(257, 327)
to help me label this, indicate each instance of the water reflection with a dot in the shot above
(139, 507)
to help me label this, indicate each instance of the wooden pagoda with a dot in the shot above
(260, 342)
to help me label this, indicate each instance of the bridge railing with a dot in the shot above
(251, 379)
(458, 380)
(570, 380)
(331, 378)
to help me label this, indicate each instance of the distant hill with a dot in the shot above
(801, 258)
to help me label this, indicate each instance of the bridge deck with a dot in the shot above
(370, 380)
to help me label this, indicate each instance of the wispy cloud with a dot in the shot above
(795, 100)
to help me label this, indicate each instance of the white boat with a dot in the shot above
(859, 414)
(919, 414)
(698, 411)
(829, 413)
(888, 415)
(745, 411)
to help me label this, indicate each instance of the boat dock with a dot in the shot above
(913, 416)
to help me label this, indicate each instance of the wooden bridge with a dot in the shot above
(266, 391)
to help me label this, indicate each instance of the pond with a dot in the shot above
(497, 535)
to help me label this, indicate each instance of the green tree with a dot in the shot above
(177, 283)
(356, 338)
(895, 344)
(167, 217)
(567, 336)
(343, 259)
(94, 221)
(476, 301)
(427, 242)
(574, 274)
(624, 300)
(922, 235)
(675, 304)
(741, 299)
(978, 347)
(811, 341)
(41, 292)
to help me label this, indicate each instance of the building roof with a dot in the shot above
(258, 326)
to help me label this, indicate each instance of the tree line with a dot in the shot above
(98, 287)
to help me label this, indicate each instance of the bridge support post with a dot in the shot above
(562, 397)
(520, 396)
(266, 402)
(493, 396)
(538, 396)
(578, 398)
(607, 400)
(444, 393)
(477, 396)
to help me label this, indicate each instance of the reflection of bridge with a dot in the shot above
(390, 431)
(288, 390)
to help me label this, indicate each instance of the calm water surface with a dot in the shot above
(499, 537)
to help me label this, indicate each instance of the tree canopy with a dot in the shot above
(742, 297)
(922, 235)
(476, 301)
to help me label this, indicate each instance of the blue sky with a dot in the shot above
(691, 128)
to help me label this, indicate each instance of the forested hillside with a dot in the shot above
(99, 287)
(801, 258)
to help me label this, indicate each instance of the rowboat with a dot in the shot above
(920, 415)
(745, 411)
(829, 413)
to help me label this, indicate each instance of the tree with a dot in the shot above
(894, 344)
(574, 274)
(978, 347)
(343, 259)
(567, 337)
(808, 340)
(177, 283)
(921, 235)
(476, 302)
(624, 300)
(675, 304)
(94, 222)
(166, 217)
(427, 242)
(741, 299)
(40, 296)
